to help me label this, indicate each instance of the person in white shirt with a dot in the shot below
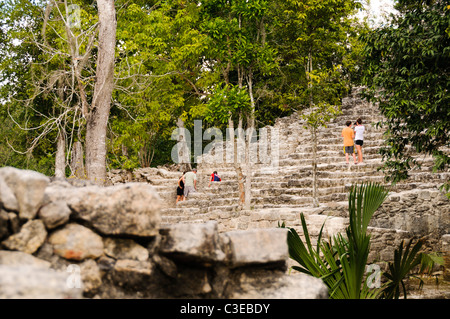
(359, 139)
(190, 182)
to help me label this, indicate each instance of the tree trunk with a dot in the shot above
(248, 170)
(314, 167)
(77, 161)
(309, 70)
(98, 116)
(236, 162)
(184, 153)
(60, 160)
(240, 176)
(249, 136)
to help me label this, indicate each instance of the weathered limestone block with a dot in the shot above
(257, 283)
(76, 242)
(119, 248)
(46, 252)
(54, 214)
(59, 191)
(333, 225)
(198, 243)
(28, 187)
(128, 209)
(383, 243)
(18, 258)
(7, 197)
(30, 282)
(30, 237)
(269, 216)
(424, 195)
(90, 276)
(256, 246)
(132, 274)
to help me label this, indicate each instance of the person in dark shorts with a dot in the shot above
(348, 134)
(359, 139)
(180, 189)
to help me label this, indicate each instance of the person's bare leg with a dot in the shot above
(346, 158)
(354, 158)
(360, 157)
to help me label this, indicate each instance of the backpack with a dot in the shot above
(216, 178)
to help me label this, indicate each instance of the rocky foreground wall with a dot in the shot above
(70, 239)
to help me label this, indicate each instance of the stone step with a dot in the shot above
(337, 164)
(325, 170)
(183, 211)
(338, 148)
(276, 197)
(302, 183)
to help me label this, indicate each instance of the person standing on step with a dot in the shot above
(180, 189)
(359, 132)
(190, 182)
(348, 134)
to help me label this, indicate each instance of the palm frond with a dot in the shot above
(405, 259)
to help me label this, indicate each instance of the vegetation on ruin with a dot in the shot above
(341, 261)
(406, 70)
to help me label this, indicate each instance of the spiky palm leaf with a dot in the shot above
(341, 262)
(405, 259)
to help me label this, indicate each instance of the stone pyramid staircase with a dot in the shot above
(280, 193)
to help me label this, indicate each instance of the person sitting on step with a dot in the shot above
(214, 178)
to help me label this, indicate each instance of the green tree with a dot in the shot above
(240, 57)
(18, 20)
(316, 39)
(68, 84)
(157, 69)
(406, 72)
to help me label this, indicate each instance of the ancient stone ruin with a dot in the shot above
(72, 239)
(415, 208)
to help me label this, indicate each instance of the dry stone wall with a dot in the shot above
(72, 239)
